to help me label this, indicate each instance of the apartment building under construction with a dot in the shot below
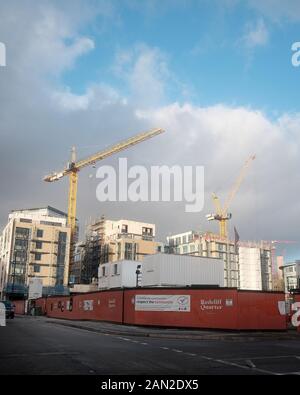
(110, 241)
(35, 243)
(247, 265)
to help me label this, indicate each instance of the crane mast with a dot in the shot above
(222, 215)
(73, 168)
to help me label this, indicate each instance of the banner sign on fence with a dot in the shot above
(163, 303)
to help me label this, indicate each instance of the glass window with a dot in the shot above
(103, 271)
(38, 257)
(38, 245)
(128, 251)
(22, 233)
(115, 269)
(124, 228)
(39, 233)
(36, 268)
(147, 231)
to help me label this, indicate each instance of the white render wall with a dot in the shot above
(125, 277)
(250, 268)
(114, 228)
(181, 270)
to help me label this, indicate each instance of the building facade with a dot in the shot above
(211, 246)
(238, 258)
(34, 243)
(291, 275)
(255, 266)
(109, 241)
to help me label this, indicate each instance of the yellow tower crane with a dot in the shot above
(74, 167)
(222, 214)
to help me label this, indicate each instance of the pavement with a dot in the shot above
(39, 345)
(175, 333)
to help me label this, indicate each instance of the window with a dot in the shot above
(103, 271)
(39, 233)
(21, 244)
(36, 268)
(22, 233)
(38, 245)
(178, 241)
(38, 257)
(192, 247)
(115, 269)
(128, 251)
(147, 231)
(124, 228)
(184, 240)
(50, 223)
(185, 249)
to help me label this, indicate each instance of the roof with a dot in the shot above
(50, 208)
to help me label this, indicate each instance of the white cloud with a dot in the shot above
(256, 34)
(218, 137)
(145, 72)
(221, 138)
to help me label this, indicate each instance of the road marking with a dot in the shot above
(164, 348)
(189, 353)
(250, 363)
(268, 357)
(244, 367)
(144, 344)
(176, 350)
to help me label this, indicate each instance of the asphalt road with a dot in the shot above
(33, 346)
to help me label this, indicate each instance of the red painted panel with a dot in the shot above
(41, 303)
(297, 300)
(102, 306)
(19, 306)
(260, 311)
(216, 309)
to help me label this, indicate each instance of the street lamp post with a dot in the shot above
(138, 272)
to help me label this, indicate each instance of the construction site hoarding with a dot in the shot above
(174, 307)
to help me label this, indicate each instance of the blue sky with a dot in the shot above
(206, 49)
(215, 74)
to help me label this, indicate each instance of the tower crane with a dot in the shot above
(222, 215)
(73, 167)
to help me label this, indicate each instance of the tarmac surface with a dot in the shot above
(39, 345)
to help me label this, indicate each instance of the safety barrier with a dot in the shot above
(186, 308)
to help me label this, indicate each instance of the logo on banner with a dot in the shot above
(282, 308)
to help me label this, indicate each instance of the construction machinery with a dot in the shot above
(73, 167)
(222, 215)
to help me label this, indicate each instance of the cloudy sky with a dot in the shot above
(216, 75)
